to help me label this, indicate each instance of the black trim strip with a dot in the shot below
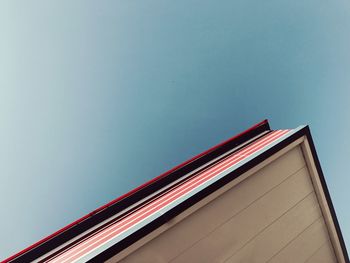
(181, 181)
(326, 192)
(95, 219)
(112, 251)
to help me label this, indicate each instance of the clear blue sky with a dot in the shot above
(98, 97)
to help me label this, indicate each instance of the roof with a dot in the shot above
(119, 223)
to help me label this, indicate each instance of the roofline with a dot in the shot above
(300, 132)
(62, 235)
(307, 133)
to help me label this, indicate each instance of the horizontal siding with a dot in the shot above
(304, 245)
(269, 193)
(325, 254)
(279, 233)
(238, 230)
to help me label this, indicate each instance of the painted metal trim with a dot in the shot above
(82, 253)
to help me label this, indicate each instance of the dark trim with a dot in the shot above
(129, 200)
(326, 192)
(146, 200)
(112, 251)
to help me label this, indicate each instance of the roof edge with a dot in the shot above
(308, 135)
(298, 132)
(235, 140)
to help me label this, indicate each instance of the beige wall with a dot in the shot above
(273, 215)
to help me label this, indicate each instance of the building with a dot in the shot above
(257, 197)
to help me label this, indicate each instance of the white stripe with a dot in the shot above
(174, 203)
(155, 214)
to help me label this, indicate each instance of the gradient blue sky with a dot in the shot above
(98, 97)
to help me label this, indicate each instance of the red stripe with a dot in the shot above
(134, 215)
(126, 223)
(76, 222)
(145, 215)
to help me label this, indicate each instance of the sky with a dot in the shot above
(99, 97)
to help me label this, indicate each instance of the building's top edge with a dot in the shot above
(46, 244)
